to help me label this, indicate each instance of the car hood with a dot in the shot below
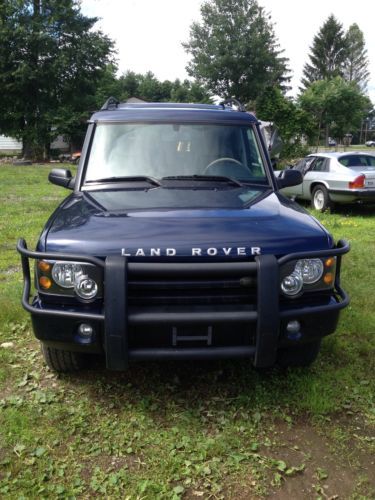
(101, 223)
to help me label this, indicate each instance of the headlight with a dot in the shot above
(308, 275)
(311, 270)
(86, 288)
(292, 284)
(65, 274)
(69, 279)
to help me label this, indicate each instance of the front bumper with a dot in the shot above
(116, 322)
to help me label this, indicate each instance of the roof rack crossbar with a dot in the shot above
(110, 104)
(232, 101)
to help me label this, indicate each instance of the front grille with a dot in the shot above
(179, 291)
(199, 283)
(187, 290)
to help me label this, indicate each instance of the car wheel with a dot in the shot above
(299, 355)
(320, 198)
(62, 361)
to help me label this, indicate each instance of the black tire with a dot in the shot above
(320, 199)
(63, 361)
(299, 355)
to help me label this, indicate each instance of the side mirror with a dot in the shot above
(289, 178)
(61, 177)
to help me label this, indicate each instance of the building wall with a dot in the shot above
(9, 144)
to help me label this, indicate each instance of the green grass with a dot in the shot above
(200, 430)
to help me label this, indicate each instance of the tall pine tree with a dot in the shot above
(328, 53)
(356, 64)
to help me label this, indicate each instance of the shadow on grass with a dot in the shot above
(194, 387)
(347, 210)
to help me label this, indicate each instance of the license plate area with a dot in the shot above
(186, 335)
(161, 336)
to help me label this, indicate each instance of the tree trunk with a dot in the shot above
(27, 150)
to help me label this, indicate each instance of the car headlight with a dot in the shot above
(311, 270)
(79, 279)
(307, 275)
(292, 284)
(66, 274)
(86, 288)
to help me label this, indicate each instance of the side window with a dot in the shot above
(304, 165)
(320, 165)
(370, 160)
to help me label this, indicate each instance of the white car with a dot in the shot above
(370, 144)
(330, 178)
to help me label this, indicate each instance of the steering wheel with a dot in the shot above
(219, 160)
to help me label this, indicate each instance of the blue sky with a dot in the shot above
(148, 33)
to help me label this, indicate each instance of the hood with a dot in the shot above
(102, 223)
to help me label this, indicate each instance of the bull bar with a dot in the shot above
(117, 316)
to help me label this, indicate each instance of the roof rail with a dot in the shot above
(110, 104)
(232, 101)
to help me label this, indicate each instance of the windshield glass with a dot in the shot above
(165, 150)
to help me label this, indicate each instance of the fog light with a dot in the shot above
(293, 329)
(86, 288)
(86, 331)
(293, 326)
(292, 284)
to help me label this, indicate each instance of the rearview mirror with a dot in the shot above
(289, 178)
(61, 177)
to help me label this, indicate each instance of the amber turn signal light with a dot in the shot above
(328, 278)
(44, 266)
(329, 262)
(45, 282)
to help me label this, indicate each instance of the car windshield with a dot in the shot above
(358, 161)
(157, 151)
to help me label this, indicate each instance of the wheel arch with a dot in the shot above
(317, 183)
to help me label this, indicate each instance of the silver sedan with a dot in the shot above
(330, 178)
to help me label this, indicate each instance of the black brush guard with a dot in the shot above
(117, 315)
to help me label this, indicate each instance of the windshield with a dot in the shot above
(174, 150)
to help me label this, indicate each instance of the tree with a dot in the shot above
(291, 120)
(148, 88)
(234, 50)
(337, 106)
(51, 61)
(356, 63)
(328, 53)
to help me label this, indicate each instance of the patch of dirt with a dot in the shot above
(329, 472)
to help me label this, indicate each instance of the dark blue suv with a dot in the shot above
(175, 243)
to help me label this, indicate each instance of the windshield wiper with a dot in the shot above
(136, 178)
(210, 178)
